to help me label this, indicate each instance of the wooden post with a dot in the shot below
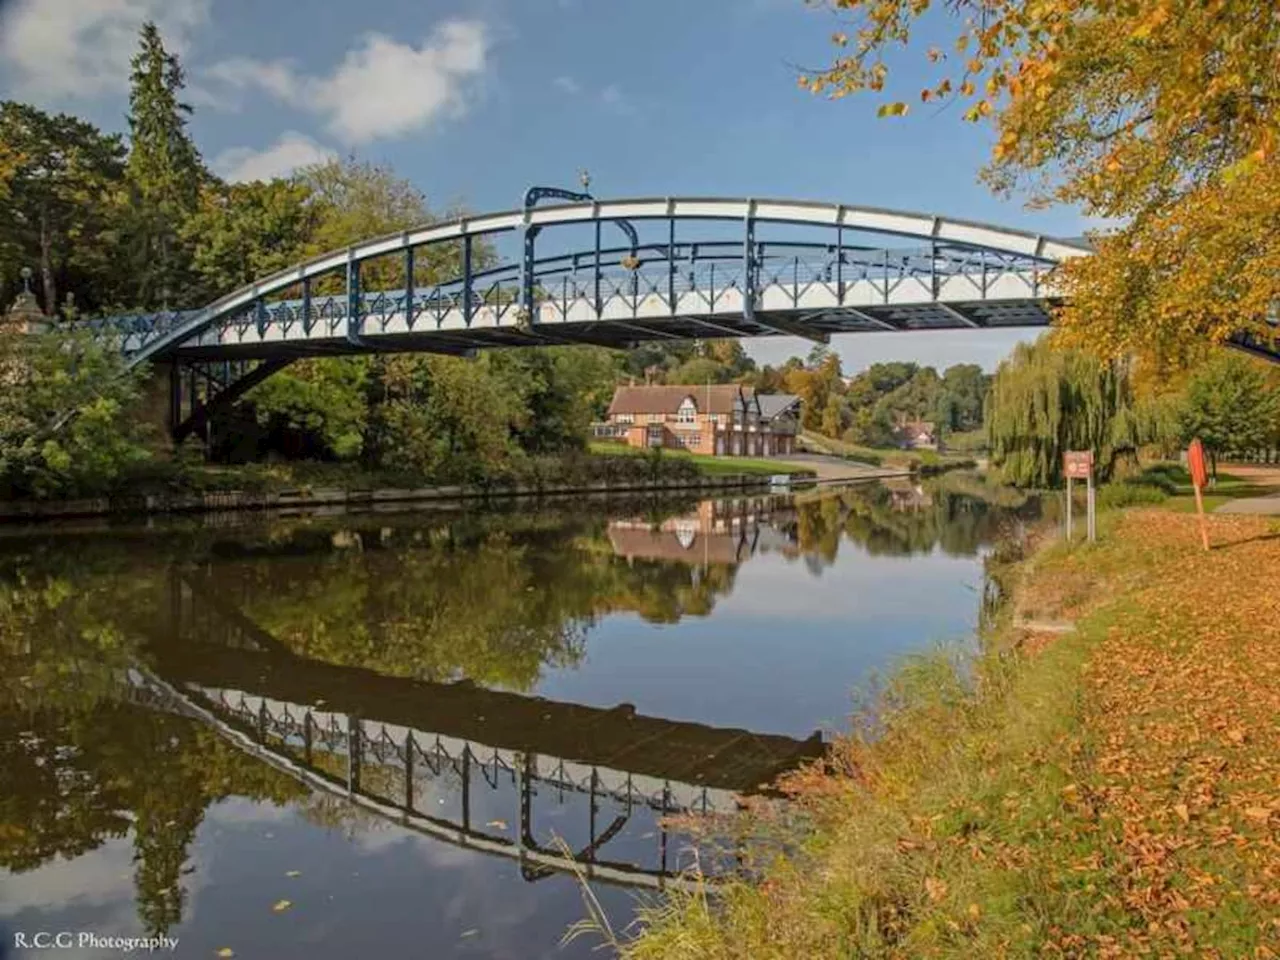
(1068, 509)
(1204, 527)
(1092, 524)
(1196, 467)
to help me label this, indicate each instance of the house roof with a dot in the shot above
(715, 398)
(720, 548)
(775, 404)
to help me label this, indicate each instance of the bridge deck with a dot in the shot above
(620, 739)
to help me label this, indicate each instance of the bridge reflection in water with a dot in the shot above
(397, 747)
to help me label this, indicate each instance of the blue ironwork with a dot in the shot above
(855, 270)
(409, 281)
(529, 233)
(353, 305)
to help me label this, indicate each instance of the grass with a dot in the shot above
(923, 461)
(710, 465)
(1107, 792)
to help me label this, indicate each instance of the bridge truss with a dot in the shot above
(688, 268)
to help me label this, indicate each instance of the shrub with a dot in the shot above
(1129, 494)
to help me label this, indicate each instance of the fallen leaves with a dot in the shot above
(1179, 693)
(280, 906)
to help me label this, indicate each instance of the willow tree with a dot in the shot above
(1161, 115)
(1046, 400)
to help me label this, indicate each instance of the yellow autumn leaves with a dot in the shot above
(1160, 117)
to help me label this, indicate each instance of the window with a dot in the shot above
(625, 418)
(688, 412)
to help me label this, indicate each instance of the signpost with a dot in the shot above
(1199, 479)
(1078, 465)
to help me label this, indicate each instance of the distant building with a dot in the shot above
(717, 419)
(916, 434)
(719, 532)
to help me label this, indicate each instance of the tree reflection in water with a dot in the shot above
(493, 599)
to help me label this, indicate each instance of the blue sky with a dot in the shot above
(474, 100)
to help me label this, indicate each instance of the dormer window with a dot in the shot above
(688, 411)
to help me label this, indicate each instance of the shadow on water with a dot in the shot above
(384, 669)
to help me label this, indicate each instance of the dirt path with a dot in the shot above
(1262, 475)
(830, 469)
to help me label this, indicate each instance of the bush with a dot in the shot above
(1129, 494)
(68, 423)
(1167, 477)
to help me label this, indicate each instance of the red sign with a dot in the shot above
(1195, 463)
(1077, 464)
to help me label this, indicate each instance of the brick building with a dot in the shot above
(717, 419)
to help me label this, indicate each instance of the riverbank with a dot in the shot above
(1101, 780)
(311, 498)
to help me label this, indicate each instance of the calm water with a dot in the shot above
(388, 734)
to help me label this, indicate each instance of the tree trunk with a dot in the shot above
(46, 265)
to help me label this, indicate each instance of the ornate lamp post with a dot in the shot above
(25, 315)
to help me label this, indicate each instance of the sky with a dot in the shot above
(475, 100)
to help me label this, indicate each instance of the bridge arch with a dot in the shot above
(694, 267)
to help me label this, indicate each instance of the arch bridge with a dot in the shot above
(612, 273)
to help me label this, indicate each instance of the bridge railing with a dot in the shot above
(703, 273)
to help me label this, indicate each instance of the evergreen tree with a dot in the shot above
(164, 172)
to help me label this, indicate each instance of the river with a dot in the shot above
(419, 733)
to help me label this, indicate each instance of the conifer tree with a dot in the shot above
(164, 171)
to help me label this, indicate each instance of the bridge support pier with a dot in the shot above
(157, 404)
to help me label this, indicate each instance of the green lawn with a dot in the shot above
(714, 466)
(885, 456)
(1226, 488)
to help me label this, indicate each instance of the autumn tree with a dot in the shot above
(164, 172)
(1160, 115)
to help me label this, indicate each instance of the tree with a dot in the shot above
(328, 206)
(356, 200)
(45, 379)
(1162, 116)
(245, 231)
(1231, 407)
(963, 392)
(561, 389)
(164, 172)
(59, 201)
(442, 416)
(1045, 401)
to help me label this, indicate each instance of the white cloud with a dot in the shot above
(382, 88)
(276, 78)
(614, 99)
(567, 85)
(59, 49)
(291, 151)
